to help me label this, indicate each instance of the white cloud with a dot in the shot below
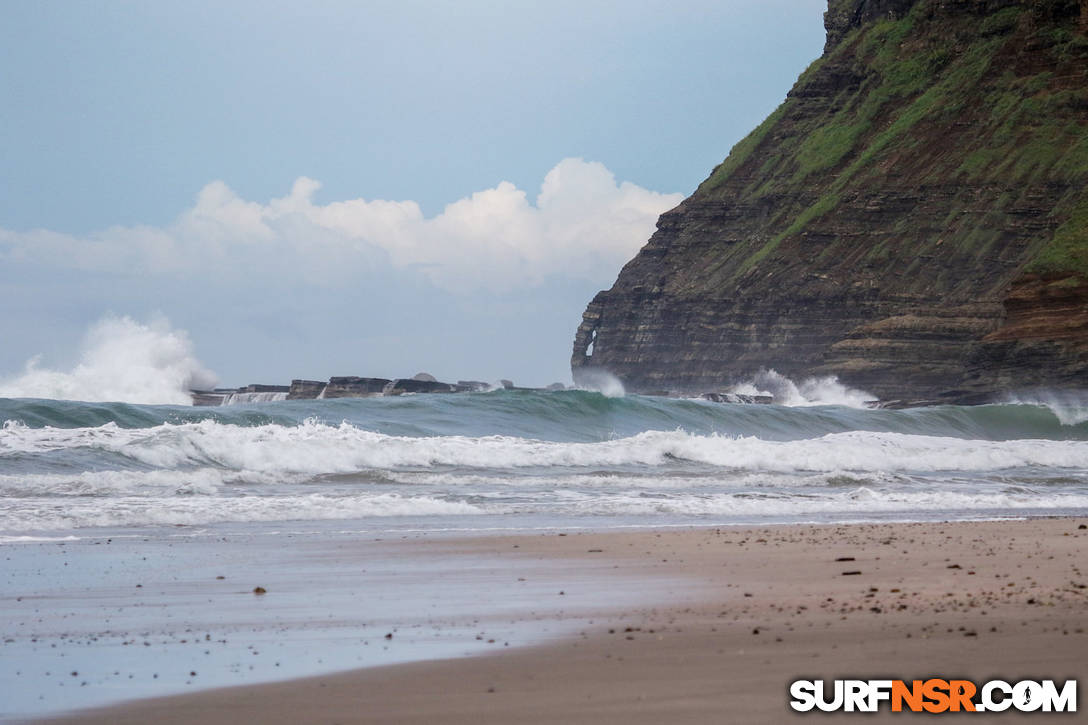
(583, 224)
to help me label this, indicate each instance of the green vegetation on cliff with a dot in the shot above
(969, 102)
(913, 218)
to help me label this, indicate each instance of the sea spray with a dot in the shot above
(814, 391)
(121, 360)
(1070, 407)
(601, 381)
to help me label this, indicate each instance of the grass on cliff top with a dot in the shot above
(933, 74)
(831, 139)
(943, 80)
(1024, 130)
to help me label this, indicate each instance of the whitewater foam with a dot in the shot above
(45, 515)
(36, 539)
(50, 514)
(809, 392)
(122, 360)
(317, 448)
(192, 481)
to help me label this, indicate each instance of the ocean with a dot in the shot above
(513, 459)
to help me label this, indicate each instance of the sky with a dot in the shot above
(302, 190)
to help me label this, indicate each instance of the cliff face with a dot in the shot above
(913, 218)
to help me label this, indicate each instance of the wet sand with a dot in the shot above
(749, 611)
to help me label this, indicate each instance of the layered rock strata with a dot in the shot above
(913, 219)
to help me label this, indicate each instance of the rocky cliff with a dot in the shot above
(913, 218)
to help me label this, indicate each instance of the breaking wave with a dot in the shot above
(809, 392)
(574, 416)
(1070, 407)
(318, 448)
(550, 456)
(121, 360)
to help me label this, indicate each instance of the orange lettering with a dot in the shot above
(961, 693)
(912, 695)
(936, 691)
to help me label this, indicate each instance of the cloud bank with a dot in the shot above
(582, 225)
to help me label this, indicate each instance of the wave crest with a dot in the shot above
(318, 448)
(1070, 407)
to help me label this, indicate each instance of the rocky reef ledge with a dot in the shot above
(423, 383)
(348, 387)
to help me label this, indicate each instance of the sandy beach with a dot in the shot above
(749, 611)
